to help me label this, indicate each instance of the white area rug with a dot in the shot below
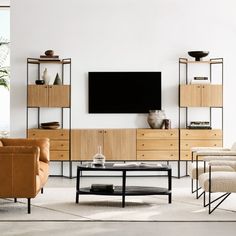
(59, 204)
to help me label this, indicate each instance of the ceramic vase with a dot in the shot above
(46, 76)
(155, 118)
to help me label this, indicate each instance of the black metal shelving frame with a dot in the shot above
(211, 63)
(62, 62)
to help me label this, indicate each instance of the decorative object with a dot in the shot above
(99, 158)
(49, 56)
(167, 123)
(50, 125)
(39, 81)
(46, 76)
(57, 80)
(49, 53)
(155, 118)
(198, 54)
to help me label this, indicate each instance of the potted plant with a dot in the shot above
(4, 77)
(4, 71)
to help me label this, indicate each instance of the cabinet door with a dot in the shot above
(120, 144)
(212, 95)
(37, 95)
(85, 143)
(190, 95)
(59, 96)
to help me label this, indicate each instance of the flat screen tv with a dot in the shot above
(124, 92)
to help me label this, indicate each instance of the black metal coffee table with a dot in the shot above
(125, 190)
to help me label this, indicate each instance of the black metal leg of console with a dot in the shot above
(77, 186)
(170, 185)
(123, 188)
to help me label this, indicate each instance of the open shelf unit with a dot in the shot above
(51, 96)
(198, 96)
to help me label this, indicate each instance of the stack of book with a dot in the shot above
(102, 188)
(199, 125)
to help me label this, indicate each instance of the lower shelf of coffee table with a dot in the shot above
(129, 191)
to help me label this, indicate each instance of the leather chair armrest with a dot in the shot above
(19, 167)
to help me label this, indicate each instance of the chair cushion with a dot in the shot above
(220, 181)
(192, 169)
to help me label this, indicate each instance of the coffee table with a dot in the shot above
(124, 190)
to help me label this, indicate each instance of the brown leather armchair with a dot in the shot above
(24, 167)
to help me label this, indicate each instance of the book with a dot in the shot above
(102, 188)
(49, 57)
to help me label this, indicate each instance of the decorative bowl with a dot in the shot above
(49, 53)
(198, 54)
(39, 82)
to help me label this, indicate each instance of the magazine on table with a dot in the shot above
(138, 164)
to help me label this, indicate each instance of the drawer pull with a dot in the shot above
(143, 155)
(186, 144)
(171, 134)
(215, 134)
(171, 155)
(62, 155)
(142, 134)
(171, 144)
(33, 134)
(62, 145)
(62, 134)
(142, 144)
(186, 134)
(215, 145)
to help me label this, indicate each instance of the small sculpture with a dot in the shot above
(49, 53)
(46, 76)
(57, 80)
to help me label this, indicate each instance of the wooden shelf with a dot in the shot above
(211, 61)
(51, 61)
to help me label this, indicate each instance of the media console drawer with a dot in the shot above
(157, 144)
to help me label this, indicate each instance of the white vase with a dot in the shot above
(155, 118)
(46, 76)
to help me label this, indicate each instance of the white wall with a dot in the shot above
(121, 35)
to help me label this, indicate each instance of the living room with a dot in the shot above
(113, 37)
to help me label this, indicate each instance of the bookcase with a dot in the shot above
(49, 96)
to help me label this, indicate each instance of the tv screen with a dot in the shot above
(124, 92)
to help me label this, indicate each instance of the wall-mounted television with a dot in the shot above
(124, 92)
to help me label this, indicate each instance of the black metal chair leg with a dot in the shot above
(29, 205)
(41, 190)
(15, 199)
